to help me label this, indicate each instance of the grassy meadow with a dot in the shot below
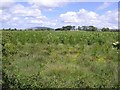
(59, 59)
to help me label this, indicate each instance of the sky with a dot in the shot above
(56, 13)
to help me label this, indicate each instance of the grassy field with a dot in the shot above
(61, 59)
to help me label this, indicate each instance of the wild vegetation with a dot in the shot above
(64, 59)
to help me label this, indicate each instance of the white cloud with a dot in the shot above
(110, 16)
(49, 9)
(0, 12)
(20, 10)
(85, 17)
(36, 21)
(4, 17)
(19, 14)
(104, 5)
(81, 16)
(72, 15)
(15, 18)
(47, 3)
(43, 22)
(6, 3)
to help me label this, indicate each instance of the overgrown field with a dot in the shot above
(63, 59)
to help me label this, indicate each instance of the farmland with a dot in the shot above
(59, 59)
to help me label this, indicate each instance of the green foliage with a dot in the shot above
(79, 28)
(49, 59)
(66, 28)
(105, 29)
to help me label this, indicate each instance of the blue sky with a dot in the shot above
(32, 13)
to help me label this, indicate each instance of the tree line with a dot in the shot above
(85, 28)
(68, 28)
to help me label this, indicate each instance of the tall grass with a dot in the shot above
(42, 59)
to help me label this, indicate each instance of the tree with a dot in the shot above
(84, 27)
(73, 27)
(67, 27)
(59, 29)
(15, 29)
(9, 29)
(92, 28)
(79, 28)
(105, 29)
